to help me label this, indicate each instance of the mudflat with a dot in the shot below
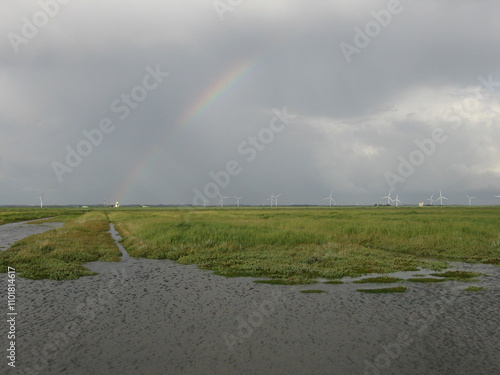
(144, 316)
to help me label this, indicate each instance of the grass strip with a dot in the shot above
(14, 215)
(458, 275)
(58, 254)
(473, 288)
(380, 279)
(425, 280)
(312, 291)
(397, 289)
(277, 282)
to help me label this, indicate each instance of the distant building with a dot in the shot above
(117, 204)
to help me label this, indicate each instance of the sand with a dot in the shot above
(151, 317)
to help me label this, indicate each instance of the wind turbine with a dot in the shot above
(431, 201)
(441, 197)
(470, 199)
(41, 200)
(205, 203)
(330, 199)
(276, 199)
(221, 201)
(397, 201)
(389, 199)
(271, 198)
(238, 200)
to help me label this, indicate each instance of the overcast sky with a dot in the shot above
(166, 102)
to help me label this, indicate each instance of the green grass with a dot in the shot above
(13, 215)
(277, 282)
(59, 253)
(473, 288)
(458, 275)
(425, 280)
(312, 291)
(380, 279)
(286, 245)
(397, 289)
(302, 244)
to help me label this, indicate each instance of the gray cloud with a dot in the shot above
(353, 120)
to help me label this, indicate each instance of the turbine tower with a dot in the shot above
(238, 200)
(431, 201)
(276, 200)
(389, 199)
(330, 199)
(271, 198)
(221, 201)
(397, 201)
(470, 199)
(41, 200)
(441, 197)
(205, 203)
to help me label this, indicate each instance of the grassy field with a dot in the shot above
(13, 215)
(58, 254)
(288, 245)
(299, 245)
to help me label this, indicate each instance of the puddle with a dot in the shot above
(10, 233)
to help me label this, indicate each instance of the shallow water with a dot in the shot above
(489, 279)
(147, 316)
(117, 238)
(10, 233)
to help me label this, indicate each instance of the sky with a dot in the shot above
(175, 102)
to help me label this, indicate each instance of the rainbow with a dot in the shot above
(202, 103)
(214, 92)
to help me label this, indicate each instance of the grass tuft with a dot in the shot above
(473, 288)
(458, 275)
(312, 291)
(380, 279)
(397, 289)
(278, 282)
(425, 280)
